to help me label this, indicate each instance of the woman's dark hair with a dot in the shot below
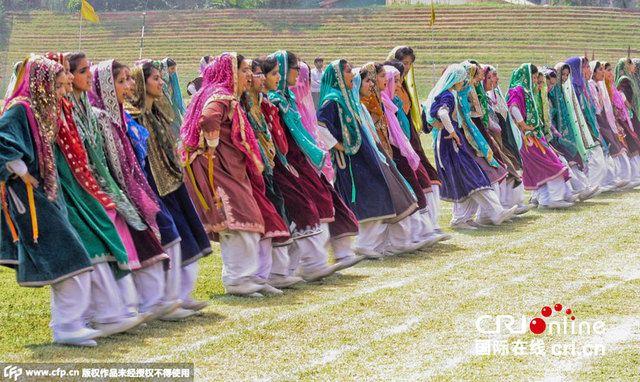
(551, 74)
(74, 59)
(343, 64)
(117, 68)
(292, 59)
(379, 67)
(240, 59)
(363, 73)
(396, 64)
(255, 64)
(598, 65)
(147, 69)
(318, 59)
(404, 52)
(607, 65)
(206, 58)
(268, 64)
(534, 69)
(170, 62)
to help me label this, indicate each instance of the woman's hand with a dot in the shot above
(454, 135)
(28, 179)
(339, 147)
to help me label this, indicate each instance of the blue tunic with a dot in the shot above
(360, 171)
(459, 173)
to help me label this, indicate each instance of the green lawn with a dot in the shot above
(406, 318)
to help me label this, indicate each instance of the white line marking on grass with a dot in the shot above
(192, 347)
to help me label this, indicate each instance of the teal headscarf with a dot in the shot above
(368, 126)
(564, 123)
(176, 97)
(402, 117)
(333, 88)
(284, 99)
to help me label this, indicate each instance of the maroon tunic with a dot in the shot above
(239, 210)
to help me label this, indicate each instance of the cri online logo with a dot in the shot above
(538, 325)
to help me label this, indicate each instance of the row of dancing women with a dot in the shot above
(112, 190)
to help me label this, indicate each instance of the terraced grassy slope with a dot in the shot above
(504, 35)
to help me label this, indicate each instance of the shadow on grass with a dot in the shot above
(291, 295)
(114, 347)
(518, 224)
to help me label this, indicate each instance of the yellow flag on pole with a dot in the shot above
(88, 13)
(433, 14)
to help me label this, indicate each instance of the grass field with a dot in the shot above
(405, 318)
(503, 35)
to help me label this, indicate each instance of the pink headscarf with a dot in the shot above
(396, 136)
(307, 110)
(36, 92)
(220, 81)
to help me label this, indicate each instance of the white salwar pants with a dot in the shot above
(239, 251)
(372, 236)
(486, 199)
(150, 284)
(399, 234)
(129, 294)
(280, 261)
(265, 259)
(70, 300)
(488, 209)
(510, 196)
(623, 167)
(106, 303)
(596, 167)
(554, 190)
(309, 253)
(173, 274)
(433, 205)
(188, 278)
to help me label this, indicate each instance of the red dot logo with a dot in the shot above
(546, 311)
(568, 311)
(558, 307)
(537, 325)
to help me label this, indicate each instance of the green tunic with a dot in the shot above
(58, 253)
(96, 230)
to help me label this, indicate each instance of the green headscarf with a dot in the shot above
(284, 99)
(522, 77)
(333, 88)
(622, 73)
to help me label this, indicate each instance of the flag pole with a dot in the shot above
(80, 38)
(144, 20)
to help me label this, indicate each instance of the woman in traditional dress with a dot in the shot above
(273, 258)
(87, 205)
(625, 126)
(307, 109)
(165, 176)
(338, 221)
(408, 93)
(596, 165)
(543, 171)
(357, 168)
(608, 128)
(149, 278)
(507, 136)
(55, 255)
(219, 145)
(397, 146)
(463, 181)
(628, 89)
(397, 230)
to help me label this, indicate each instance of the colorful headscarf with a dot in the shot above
(522, 77)
(583, 93)
(285, 100)
(334, 88)
(368, 127)
(622, 73)
(161, 144)
(617, 100)
(307, 109)
(373, 104)
(562, 119)
(220, 82)
(120, 156)
(35, 90)
(396, 136)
